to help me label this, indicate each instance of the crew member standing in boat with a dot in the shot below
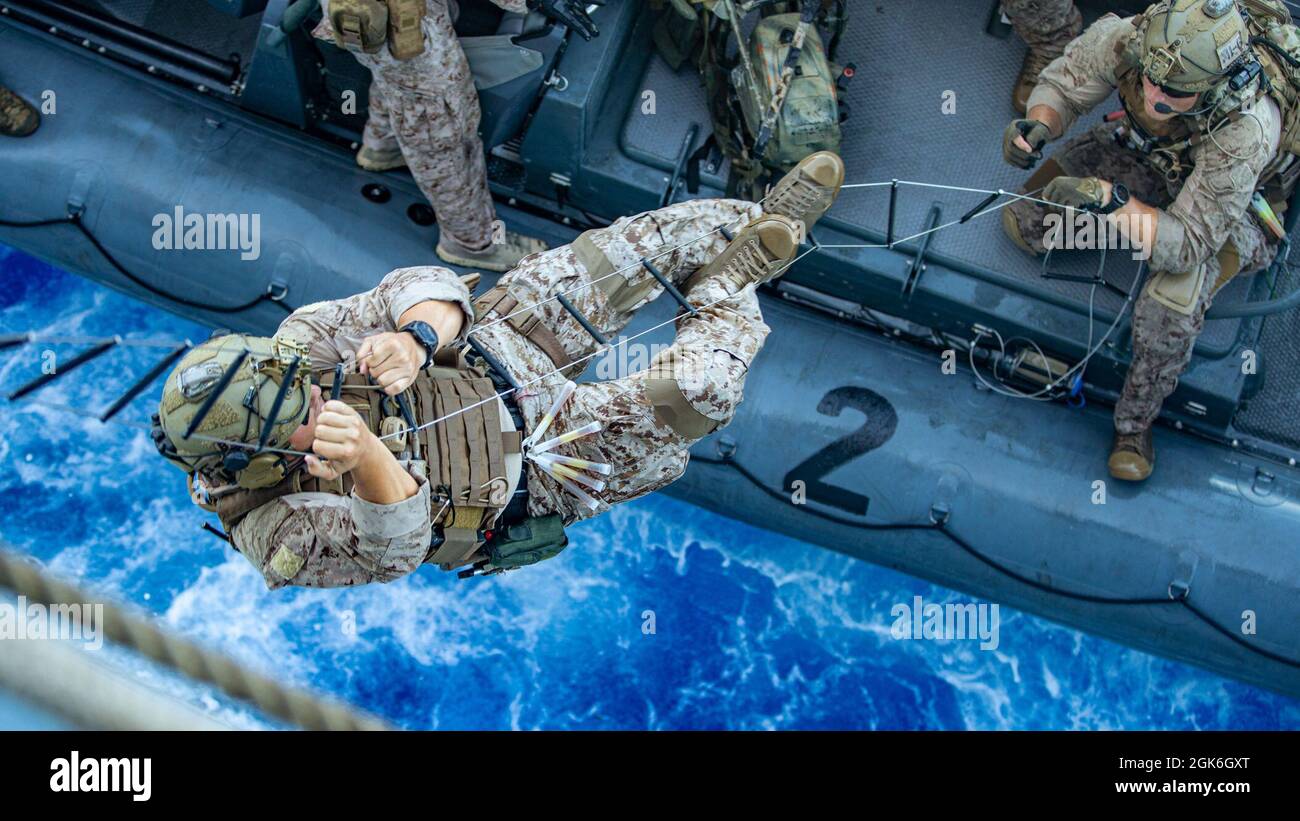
(17, 117)
(1178, 175)
(424, 114)
(1046, 26)
(426, 463)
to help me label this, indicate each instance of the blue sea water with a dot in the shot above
(750, 630)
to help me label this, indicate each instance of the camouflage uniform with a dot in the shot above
(1048, 24)
(325, 540)
(428, 107)
(1200, 216)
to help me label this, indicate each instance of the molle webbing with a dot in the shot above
(528, 323)
(464, 454)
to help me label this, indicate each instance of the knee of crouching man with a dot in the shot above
(697, 396)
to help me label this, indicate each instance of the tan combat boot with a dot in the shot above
(759, 253)
(17, 117)
(1011, 227)
(500, 256)
(809, 190)
(379, 160)
(1132, 456)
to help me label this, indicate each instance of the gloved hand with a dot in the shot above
(1035, 133)
(571, 13)
(1083, 193)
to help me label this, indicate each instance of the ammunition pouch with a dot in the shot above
(367, 25)
(405, 32)
(359, 24)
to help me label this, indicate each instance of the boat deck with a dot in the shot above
(908, 64)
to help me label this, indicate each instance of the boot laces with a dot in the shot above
(749, 262)
(800, 196)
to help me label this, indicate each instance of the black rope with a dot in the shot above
(942, 528)
(75, 220)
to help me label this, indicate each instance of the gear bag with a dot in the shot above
(766, 116)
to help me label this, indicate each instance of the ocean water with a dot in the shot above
(750, 630)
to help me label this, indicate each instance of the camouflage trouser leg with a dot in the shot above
(708, 361)
(1164, 339)
(1046, 23)
(433, 112)
(378, 134)
(1092, 154)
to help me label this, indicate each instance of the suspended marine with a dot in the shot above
(452, 434)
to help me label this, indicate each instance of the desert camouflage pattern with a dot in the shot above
(1163, 339)
(1049, 24)
(710, 358)
(427, 107)
(1199, 215)
(327, 540)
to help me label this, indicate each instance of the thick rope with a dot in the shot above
(291, 705)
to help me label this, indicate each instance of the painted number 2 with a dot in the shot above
(880, 424)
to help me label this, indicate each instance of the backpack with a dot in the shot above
(768, 113)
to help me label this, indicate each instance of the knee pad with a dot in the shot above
(1179, 292)
(695, 398)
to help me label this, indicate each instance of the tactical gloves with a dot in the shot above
(569, 12)
(1035, 133)
(1082, 193)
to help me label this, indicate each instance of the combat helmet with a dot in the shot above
(229, 403)
(1197, 47)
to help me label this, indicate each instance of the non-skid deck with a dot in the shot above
(929, 104)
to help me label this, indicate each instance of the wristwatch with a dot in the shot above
(1118, 199)
(426, 336)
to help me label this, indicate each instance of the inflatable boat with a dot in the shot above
(884, 419)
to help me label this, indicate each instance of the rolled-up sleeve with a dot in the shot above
(1217, 194)
(325, 540)
(1084, 76)
(336, 329)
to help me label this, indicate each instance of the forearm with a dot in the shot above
(446, 318)
(1049, 117)
(323, 540)
(379, 478)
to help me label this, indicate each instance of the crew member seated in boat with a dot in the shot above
(418, 459)
(424, 113)
(1177, 175)
(18, 118)
(1046, 26)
